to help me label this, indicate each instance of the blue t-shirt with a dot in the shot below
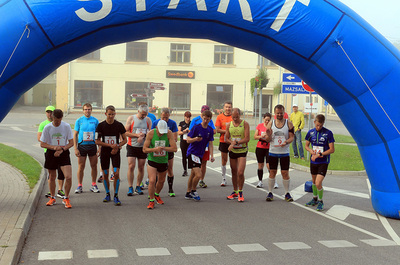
(320, 139)
(151, 116)
(171, 125)
(86, 128)
(199, 148)
(198, 120)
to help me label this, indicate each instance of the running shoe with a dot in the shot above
(141, 185)
(138, 190)
(51, 202)
(151, 205)
(296, 156)
(158, 199)
(94, 189)
(67, 203)
(61, 194)
(107, 198)
(313, 202)
(202, 184)
(276, 185)
(147, 183)
(79, 189)
(112, 177)
(171, 193)
(195, 196)
(185, 174)
(100, 180)
(288, 198)
(232, 196)
(240, 197)
(188, 196)
(117, 202)
(270, 197)
(47, 195)
(130, 191)
(223, 183)
(260, 184)
(320, 206)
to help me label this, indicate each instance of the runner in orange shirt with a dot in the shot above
(220, 124)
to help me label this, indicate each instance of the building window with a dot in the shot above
(180, 53)
(88, 92)
(136, 51)
(314, 99)
(93, 56)
(223, 54)
(179, 96)
(218, 94)
(133, 94)
(262, 61)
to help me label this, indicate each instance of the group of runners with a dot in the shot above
(154, 141)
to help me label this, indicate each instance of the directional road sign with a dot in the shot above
(139, 95)
(290, 78)
(295, 89)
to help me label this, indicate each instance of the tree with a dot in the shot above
(260, 81)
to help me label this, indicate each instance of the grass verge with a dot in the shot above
(22, 161)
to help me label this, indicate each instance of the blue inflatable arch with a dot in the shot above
(328, 45)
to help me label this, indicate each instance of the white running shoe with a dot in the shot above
(260, 184)
(223, 183)
(276, 185)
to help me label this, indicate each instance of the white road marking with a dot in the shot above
(148, 252)
(16, 129)
(337, 244)
(342, 212)
(348, 192)
(292, 245)
(378, 242)
(55, 255)
(247, 247)
(102, 253)
(199, 250)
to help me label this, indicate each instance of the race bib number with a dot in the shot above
(278, 140)
(141, 130)
(318, 149)
(162, 144)
(196, 159)
(88, 136)
(58, 140)
(184, 137)
(237, 145)
(110, 139)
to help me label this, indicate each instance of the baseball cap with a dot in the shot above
(204, 107)
(295, 105)
(162, 126)
(50, 108)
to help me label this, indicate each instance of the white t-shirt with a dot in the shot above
(57, 135)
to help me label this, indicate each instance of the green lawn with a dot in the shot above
(22, 161)
(346, 157)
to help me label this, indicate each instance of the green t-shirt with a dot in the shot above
(41, 127)
(161, 158)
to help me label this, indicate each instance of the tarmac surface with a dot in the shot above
(18, 204)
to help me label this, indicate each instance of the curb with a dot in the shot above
(12, 253)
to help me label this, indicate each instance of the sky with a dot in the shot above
(383, 15)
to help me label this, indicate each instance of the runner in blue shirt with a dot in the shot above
(174, 129)
(206, 157)
(198, 138)
(322, 142)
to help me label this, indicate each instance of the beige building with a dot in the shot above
(193, 72)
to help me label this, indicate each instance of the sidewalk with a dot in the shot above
(17, 208)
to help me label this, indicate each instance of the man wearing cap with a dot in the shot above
(158, 144)
(174, 129)
(297, 118)
(60, 178)
(206, 156)
(57, 138)
(85, 145)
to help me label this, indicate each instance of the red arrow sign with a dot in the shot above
(156, 88)
(155, 84)
(306, 87)
(139, 95)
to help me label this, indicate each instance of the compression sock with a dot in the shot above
(314, 190)
(260, 174)
(106, 187)
(117, 186)
(223, 169)
(286, 183)
(170, 182)
(320, 194)
(271, 184)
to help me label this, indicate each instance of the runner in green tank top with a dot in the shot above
(159, 142)
(238, 136)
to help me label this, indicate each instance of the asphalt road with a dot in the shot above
(212, 231)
